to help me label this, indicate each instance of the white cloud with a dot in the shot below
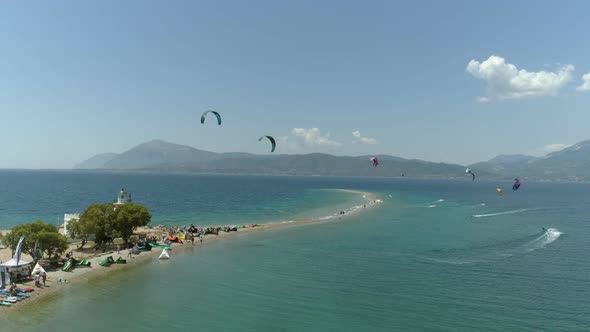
(313, 136)
(549, 148)
(586, 85)
(360, 139)
(505, 81)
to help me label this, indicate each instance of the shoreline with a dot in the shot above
(82, 275)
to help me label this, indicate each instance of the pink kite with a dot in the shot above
(375, 161)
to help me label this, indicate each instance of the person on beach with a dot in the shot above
(44, 277)
(13, 289)
(37, 277)
(118, 249)
(201, 238)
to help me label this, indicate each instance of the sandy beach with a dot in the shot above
(58, 280)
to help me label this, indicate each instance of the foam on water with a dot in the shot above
(483, 254)
(499, 213)
(548, 237)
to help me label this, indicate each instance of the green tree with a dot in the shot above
(96, 220)
(50, 240)
(53, 243)
(128, 218)
(90, 222)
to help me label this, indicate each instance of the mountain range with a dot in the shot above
(570, 164)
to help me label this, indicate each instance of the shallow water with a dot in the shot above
(403, 266)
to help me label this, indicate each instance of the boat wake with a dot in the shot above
(499, 213)
(505, 250)
(437, 201)
(549, 236)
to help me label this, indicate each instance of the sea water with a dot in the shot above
(434, 256)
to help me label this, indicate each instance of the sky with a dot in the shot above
(453, 81)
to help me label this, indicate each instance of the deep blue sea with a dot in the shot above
(435, 256)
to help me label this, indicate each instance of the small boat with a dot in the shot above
(164, 255)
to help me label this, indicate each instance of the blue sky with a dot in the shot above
(80, 78)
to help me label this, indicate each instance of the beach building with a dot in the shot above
(123, 197)
(67, 218)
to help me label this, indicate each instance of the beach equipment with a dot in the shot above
(38, 268)
(160, 246)
(107, 261)
(84, 262)
(145, 246)
(69, 264)
(164, 255)
(120, 260)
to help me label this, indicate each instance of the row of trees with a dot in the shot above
(99, 222)
(47, 237)
(103, 222)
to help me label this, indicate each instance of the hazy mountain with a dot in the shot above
(502, 164)
(571, 164)
(97, 161)
(155, 153)
(168, 157)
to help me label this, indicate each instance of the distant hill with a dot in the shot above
(155, 153)
(503, 164)
(163, 156)
(97, 161)
(570, 164)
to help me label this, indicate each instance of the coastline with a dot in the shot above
(56, 286)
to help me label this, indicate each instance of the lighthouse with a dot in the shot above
(123, 197)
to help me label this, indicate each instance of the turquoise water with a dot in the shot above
(435, 256)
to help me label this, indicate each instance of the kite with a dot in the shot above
(516, 184)
(469, 171)
(216, 114)
(272, 141)
(375, 161)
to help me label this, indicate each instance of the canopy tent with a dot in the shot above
(14, 264)
(13, 269)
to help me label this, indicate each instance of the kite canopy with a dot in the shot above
(272, 141)
(216, 114)
(375, 161)
(516, 184)
(469, 171)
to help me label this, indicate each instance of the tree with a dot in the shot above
(50, 240)
(53, 243)
(128, 217)
(89, 223)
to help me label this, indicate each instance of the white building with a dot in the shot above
(67, 218)
(123, 197)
